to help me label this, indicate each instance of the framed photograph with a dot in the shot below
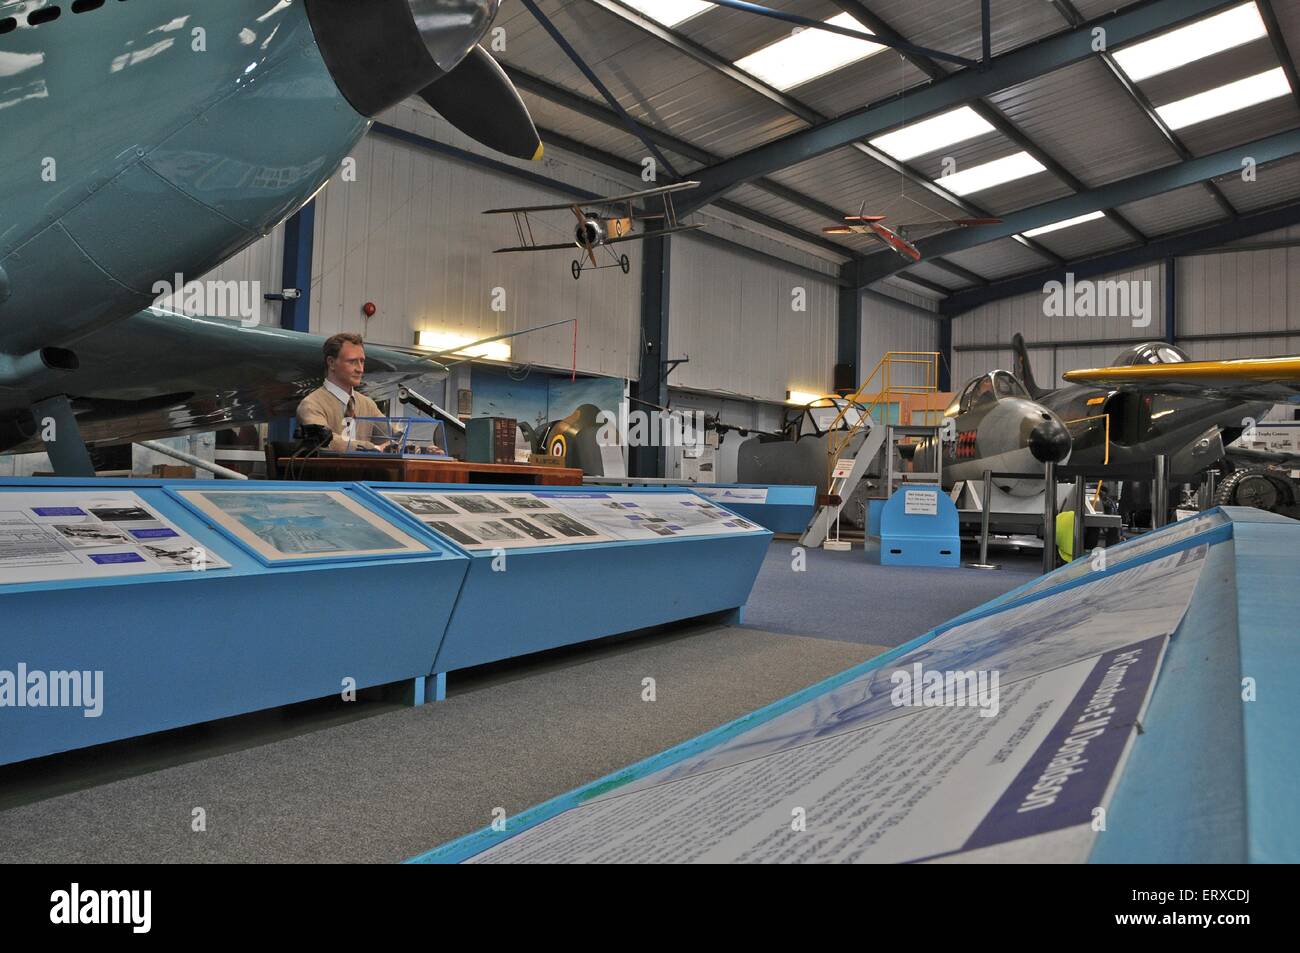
(295, 526)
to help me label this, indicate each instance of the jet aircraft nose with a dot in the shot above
(1049, 441)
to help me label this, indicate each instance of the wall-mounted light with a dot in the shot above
(800, 397)
(450, 342)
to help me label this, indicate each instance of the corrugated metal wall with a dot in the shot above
(409, 236)
(734, 315)
(896, 327)
(1050, 338)
(1242, 292)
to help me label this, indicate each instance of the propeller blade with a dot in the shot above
(478, 99)
(864, 218)
(591, 253)
(837, 230)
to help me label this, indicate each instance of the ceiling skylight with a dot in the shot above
(669, 12)
(1225, 99)
(985, 176)
(1187, 44)
(931, 135)
(807, 54)
(1055, 226)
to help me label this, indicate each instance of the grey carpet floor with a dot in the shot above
(847, 597)
(386, 787)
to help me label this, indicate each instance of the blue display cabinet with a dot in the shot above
(919, 527)
(135, 606)
(556, 566)
(782, 509)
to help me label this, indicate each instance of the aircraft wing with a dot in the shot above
(161, 374)
(1275, 379)
(639, 236)
(601, 200)
(502, 251)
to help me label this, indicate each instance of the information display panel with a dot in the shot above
(61, 535)
(296, 526)
(504, 519)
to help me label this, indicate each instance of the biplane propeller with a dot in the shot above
(899, 238)
(601, 222)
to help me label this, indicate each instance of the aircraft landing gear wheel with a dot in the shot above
(576, 268)
(624, 264)
(1254, 486)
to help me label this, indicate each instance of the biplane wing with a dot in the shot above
(601, 200)
(658, 231)
(555, 247)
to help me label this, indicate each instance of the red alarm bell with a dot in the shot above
(369, 309)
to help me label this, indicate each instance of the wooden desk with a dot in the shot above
(396, 470)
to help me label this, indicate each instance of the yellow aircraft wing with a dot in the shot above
(1274, 379)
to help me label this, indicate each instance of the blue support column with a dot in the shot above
(295, 315)
(651, 386)
(945, 354)
(1171, 300)
(848, 336)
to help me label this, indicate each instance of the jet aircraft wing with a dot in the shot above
(1275, 379)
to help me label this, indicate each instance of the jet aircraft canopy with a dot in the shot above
(816, 417)
(986, 389)
(1151, 353)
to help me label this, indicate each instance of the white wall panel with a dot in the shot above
(733, 314)
(408, 235)
(995, 323)
(887, 327)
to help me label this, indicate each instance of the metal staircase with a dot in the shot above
(853, 442)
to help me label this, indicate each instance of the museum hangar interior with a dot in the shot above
(649, 430)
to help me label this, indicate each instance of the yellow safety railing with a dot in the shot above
(884, 392)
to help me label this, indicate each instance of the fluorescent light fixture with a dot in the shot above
(807, 54)
(1077, 220)
(985, 176)
(669, 12)
(1225, 99)
(448, 342)
(800, 397)
(931, 135)
(1187, 44)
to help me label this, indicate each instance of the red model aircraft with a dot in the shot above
(898, 239)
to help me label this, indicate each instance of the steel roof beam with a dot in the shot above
(1185, 243)
(1133, 189)
(717, 64)
(594, 111)
(1008, 69)
(1074, 18)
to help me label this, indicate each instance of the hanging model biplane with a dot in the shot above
(900, 238)
(601, 222)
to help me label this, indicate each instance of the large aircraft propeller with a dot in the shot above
(478, 98)
(381, 51)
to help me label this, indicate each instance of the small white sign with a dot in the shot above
(920, 502)
(842, 468)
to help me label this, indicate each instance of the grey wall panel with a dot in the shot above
(733, 314)
(887, 327)
(997, 322)
(408, 235)
(1239, 292)
(262, 264)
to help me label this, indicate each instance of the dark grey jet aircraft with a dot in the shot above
(1005, 421)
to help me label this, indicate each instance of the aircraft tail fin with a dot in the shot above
(1023, 371)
